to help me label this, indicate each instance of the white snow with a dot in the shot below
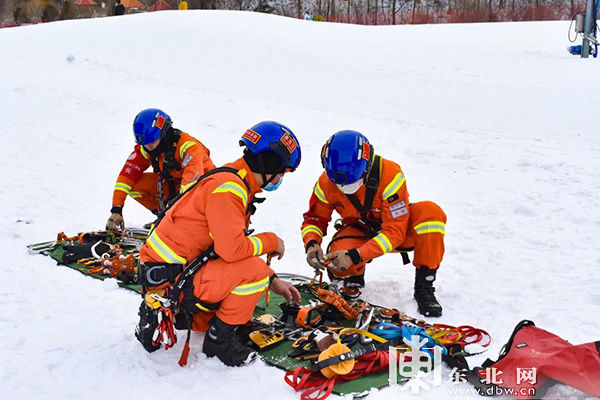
(495, 122)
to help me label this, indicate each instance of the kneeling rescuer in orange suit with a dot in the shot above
(369, 193)
(216, 213)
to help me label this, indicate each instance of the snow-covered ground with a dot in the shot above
(495, 122)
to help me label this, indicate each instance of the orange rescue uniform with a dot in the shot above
(215, 211)
(419, 226)
(190, 154)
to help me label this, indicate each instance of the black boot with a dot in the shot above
(222, 341)
(424, 292)
(144, 331)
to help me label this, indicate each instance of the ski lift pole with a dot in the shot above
(590, 22)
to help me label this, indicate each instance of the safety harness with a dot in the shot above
(369, 226)
(154, 274)
(169, 164)
(371, 184)
(177, 279)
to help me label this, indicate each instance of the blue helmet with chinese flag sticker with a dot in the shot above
(271, 148)
(150, 125)
(347, 156)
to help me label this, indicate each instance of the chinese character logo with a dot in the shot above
(416, 364)
(526, 375)
(289, 142)
(252, 136)
(492, 376)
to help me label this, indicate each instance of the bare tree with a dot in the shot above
(7, 11)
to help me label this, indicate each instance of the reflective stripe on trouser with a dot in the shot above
(427, 223)
(428, 246)
(145, 191)
(237, 285)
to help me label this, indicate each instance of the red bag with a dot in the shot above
(534, 356)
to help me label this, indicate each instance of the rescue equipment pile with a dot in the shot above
(99, 254)
(334, 341)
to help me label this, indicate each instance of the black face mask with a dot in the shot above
(163, 146)
(158, 150)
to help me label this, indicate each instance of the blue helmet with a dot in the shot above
(150, 125)
(271, 148)
(347, 157)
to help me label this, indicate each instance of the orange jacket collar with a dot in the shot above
(241, 165)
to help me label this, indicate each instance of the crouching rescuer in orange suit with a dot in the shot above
(177, 159)
(369, 193)
(202, 256)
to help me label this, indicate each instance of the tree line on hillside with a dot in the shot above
(372, 12)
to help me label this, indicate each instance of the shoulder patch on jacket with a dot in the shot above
(186, 160)
(399, 209)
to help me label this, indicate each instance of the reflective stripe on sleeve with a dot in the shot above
(135, 195)
(184, 147)
(394, 185)
(160, 248)
(319, 193)
(251, 288)
(383, 242)
(312, 228)
(235, 188)
(183, 188)
(431, 227)
(123, 187)
(258, 246)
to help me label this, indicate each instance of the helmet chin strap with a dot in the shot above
(264, 179)
(267, 181)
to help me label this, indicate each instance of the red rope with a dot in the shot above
(165, 328)
(469, 334)
(315, 386)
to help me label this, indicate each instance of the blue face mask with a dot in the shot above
(272, 186)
